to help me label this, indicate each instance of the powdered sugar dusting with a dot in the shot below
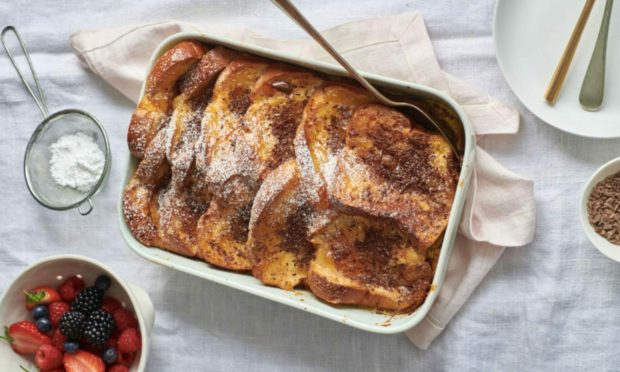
(76, 161)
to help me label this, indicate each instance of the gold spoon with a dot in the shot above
(288, 8)
(593, 87)
(559, 75)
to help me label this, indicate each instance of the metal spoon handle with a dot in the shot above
(593, 87)
(40, 101)
(289, 9)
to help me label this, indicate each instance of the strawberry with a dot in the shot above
(41, 295)
(129, 341)
(48, 357)
(125, 359)
(70, 288)
(83, 361)
(110, 304)
(56, 311)
(24, 337)
(124, 319)
(118, 368)
(58, 339)
(57, 369)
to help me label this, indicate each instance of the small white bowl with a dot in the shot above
(608, 249)
(51, 271)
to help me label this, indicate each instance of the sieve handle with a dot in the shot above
(90, 207)
(40, 100)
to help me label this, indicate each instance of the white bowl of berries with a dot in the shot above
(72, 313)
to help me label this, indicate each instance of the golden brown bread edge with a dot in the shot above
(160, 89)
(391, 167)
(324, 287)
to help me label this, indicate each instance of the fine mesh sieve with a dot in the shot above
(36, 160)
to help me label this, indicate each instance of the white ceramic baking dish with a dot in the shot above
(301, 299)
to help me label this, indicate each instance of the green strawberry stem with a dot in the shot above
(6, 336)
(34, 297)
(24, 368)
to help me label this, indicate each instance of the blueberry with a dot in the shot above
(44, 325)
(40, 311)
(109, 355)
(71, 346)
(103, 282)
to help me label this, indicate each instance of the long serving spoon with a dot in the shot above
(593, 87)
(288, 8)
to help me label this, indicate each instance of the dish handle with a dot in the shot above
(143, 301)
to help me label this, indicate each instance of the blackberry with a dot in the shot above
(71, 324)
(87, 301)
(98, 327)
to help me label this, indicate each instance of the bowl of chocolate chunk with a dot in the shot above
(600, 209)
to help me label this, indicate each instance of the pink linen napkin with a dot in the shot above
(500, 209)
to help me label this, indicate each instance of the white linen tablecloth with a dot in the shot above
(552, 305)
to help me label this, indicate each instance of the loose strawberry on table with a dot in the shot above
(24, 337)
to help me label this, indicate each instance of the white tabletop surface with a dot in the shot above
(552, 305)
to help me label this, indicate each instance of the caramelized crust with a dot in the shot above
(368, 261)
(321, 135)
(392, 168)
(155, 105)
(141, 195)
(222, 231)
(223, 117)
(278, 101)
(278, 244)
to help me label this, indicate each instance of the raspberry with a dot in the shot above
(48, 357)
(110, 304)
(129, 341)
(125, 359)
(56, 311)
(58, 339)
(124, 319)
(70, 288)
(118, 368)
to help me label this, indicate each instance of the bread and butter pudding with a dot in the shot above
(302, 179)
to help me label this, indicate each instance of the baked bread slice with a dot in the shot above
(278, 244)
(278, 101)
(183, 129)
(321, 135)
(223, 116)
(262, 140)
(223, 230)
(153, 109)
(141, 195)
(368, 261)
(393, 168)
